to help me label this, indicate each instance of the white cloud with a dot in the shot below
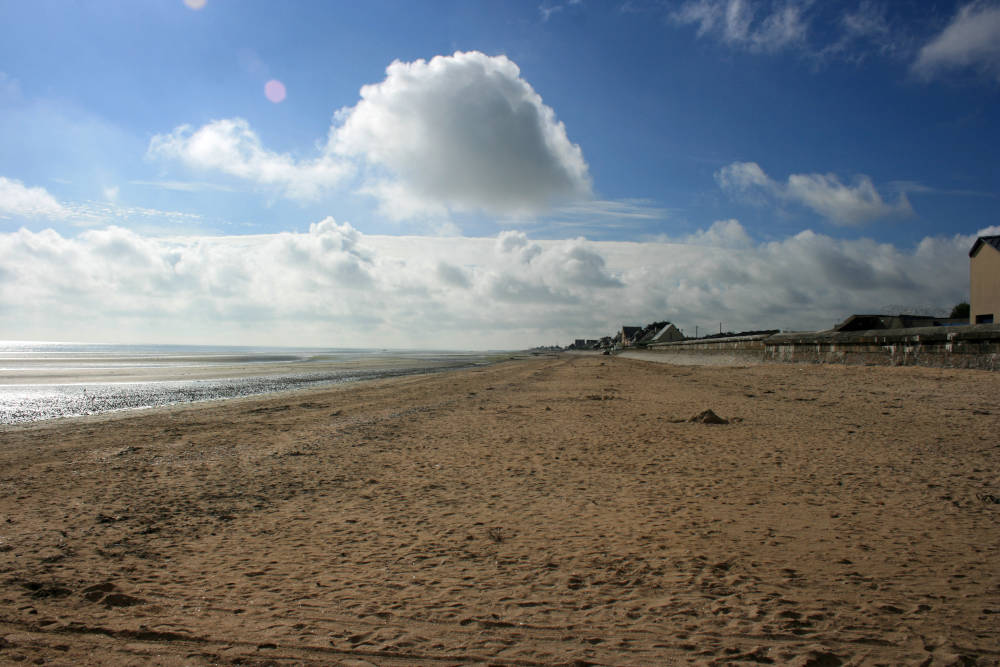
(972, 39)
(867, 30)
(575, 263)
(560, 266)
(457, 133)
(20, 201)
(462, 132)
(95, 214)
(742, 176)
(722, 234)
(511, 241)
(398, 201)
(547, 9)
(335, 286)
(739, 24)
(232, 147)
(844, 204)
(854, 204)
(819, 32)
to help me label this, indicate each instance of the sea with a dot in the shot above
(50, 380)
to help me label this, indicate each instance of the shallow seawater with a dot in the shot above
(47, 380)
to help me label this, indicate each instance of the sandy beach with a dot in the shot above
(553, 511)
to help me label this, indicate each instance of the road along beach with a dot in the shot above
(549, 511)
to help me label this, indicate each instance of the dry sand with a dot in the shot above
(542, 512)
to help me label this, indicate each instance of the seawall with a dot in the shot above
(942, 347)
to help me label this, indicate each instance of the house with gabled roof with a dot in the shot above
(667, 334)
(984, 281)
(660, 332)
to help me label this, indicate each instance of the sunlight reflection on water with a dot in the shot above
(45, 381)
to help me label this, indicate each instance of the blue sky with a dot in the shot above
(567, 166)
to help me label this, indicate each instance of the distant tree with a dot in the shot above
(960, 310)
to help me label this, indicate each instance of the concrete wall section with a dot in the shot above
(734, 348)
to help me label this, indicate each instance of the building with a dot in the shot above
(668, 334)
(655, 332)
(984, 281)
(661, 332)
(628, 335)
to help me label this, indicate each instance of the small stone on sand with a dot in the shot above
(708, 417)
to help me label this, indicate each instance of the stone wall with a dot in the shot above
(943, 347)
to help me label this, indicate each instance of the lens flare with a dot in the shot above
(274, 90)
(195, 4)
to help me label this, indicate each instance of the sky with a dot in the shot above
(483, 175)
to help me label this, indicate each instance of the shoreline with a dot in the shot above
(284, 395)
(545, 511)
(28, 396)
(183, 406)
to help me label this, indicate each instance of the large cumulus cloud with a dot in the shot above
(335, 286)
(463, 132)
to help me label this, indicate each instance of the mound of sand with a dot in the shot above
(708, 417)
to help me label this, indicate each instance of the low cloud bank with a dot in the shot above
(336, 286)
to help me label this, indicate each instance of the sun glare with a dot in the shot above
(274, 90)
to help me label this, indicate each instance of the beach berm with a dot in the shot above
(562, 510)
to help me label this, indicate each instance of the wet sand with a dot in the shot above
(542, 512)
(220, 368)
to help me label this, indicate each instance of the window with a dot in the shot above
(984, 319)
